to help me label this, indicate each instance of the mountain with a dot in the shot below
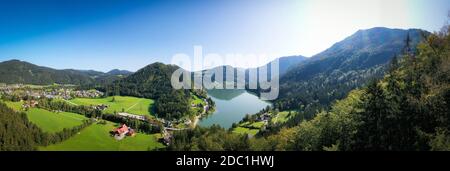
(21, 72)
(91, 73)
(119, 72)
(362, 50)
(286, 63)
(315, 83)
(15, 71)
(153, 82)
(111, 76)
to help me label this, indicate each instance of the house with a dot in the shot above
(101, 107)
(122, 131)
(264, 117)
(30, 104)
(167, 139)
(127, 115)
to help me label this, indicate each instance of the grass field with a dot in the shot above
(249, 128)
(196, 100)
(133, 105)
(257, 125)
(282, 116)
(50, 121)
(97, 138)
(242, 130)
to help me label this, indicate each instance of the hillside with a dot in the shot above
(22, 72)
(15, 71)
(153, 82)
(119, 72)
(348, 64)
(288, 62)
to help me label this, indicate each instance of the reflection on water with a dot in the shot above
(232, 106)
(224, 94)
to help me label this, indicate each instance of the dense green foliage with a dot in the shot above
(17, 133)
(213, 138)
(314, 84)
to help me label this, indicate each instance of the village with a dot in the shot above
(65, 92)
(30, 95)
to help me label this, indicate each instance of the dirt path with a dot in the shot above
(70, 102)
(133, 106)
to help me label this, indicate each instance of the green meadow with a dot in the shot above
(248, 128)
(196, 100)
(97, 138)
(133, 105)
(54, 121)
(243, 130)
(283, 116)
(50, 121)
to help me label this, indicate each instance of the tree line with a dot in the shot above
(19, 134)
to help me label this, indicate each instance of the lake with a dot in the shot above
(232, 106)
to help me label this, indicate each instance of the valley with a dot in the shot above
(326, 102)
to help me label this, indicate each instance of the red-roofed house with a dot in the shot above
(122, 130)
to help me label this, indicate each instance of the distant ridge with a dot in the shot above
(119, 72)
(22, 72)
(16, 71)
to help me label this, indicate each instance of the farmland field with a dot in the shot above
(50, 121)
(283, 116)
(242, 130)
(133, 105)
(97, 138)
(248, 128)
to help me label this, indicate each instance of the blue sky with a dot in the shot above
(108, 34)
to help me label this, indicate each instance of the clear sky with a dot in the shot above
(124, 34)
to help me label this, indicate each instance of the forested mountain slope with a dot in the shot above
(330, 75)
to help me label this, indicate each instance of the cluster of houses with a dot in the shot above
(127, 115)
(265, 117)
(29, 104)
(88, 93)
(45, 92)
(100, 107)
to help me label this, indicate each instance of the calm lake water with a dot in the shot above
(232, 106)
